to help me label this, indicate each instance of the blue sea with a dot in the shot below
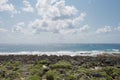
(59, 49)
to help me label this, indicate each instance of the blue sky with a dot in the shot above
(59, 21)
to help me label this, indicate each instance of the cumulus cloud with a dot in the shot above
(104, 30)
(84, 28)
(78, 19)
(3, 30)
(117, 28)
(19, 27)
(57, 26)
(28, 7)
(54, 9)
(57, 17)
(5, 6)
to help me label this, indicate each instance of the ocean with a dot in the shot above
(59, 49)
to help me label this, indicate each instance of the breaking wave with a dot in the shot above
(60, 53)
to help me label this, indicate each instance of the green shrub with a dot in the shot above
(43, 62)
(112, 71)
(71, 77)
(13, 63)
(107, 77)
(115, 72)
(37, 66)
(88, 65)
(34, 77)
(108, 70)
(12, 75)
(16, 63)
(85, 71)
(62, 64)
(36, 71)
(53, 75)
(50, 75)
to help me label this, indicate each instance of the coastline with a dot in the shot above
(23, 57)
(53, 67)
(61, 53)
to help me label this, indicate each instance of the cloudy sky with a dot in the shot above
(59, 21)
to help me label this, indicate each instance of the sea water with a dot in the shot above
(58, 49)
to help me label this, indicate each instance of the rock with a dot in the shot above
(117, 78)
(97, 75)
(2, 73)
(96, 68)
(9, 67)
(44, 67)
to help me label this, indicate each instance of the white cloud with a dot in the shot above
(3, 30)
(84, 28)
(57, 26)
(28, 7)
(104, 30)
(49, 25)
(19, 27)
(78, 19)
(5, 6)
(117, 28)
(54, 9)
(55, 17)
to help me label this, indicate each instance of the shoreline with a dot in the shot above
(53, 67)
(100, 58)
(61, 53)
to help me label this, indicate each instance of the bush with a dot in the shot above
(112, 71)
(37, 66)
(108, 70)
(107, 77)
(71, 77)
(115, 72)
(35, 77)
(12, 75)
(16, 63)
(53, 75)
(36, 71)
(62, 64)
(43, 62)
(85, 71)
(50, 75)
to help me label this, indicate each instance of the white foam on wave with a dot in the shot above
(60, 53)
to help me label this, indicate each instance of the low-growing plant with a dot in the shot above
(50, 75)
(85, 71)
(43, 62)
(116, 72)
(107, 77)
(62, 64)
(34, 77)
(71, 77)
(53, 75)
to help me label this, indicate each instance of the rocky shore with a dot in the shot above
(33, 67)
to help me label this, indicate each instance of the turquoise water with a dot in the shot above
(59, 47)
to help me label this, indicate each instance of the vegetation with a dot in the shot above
(62, 64)
(34, 77)
(59, 68)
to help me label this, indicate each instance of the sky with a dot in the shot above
(59, 21)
